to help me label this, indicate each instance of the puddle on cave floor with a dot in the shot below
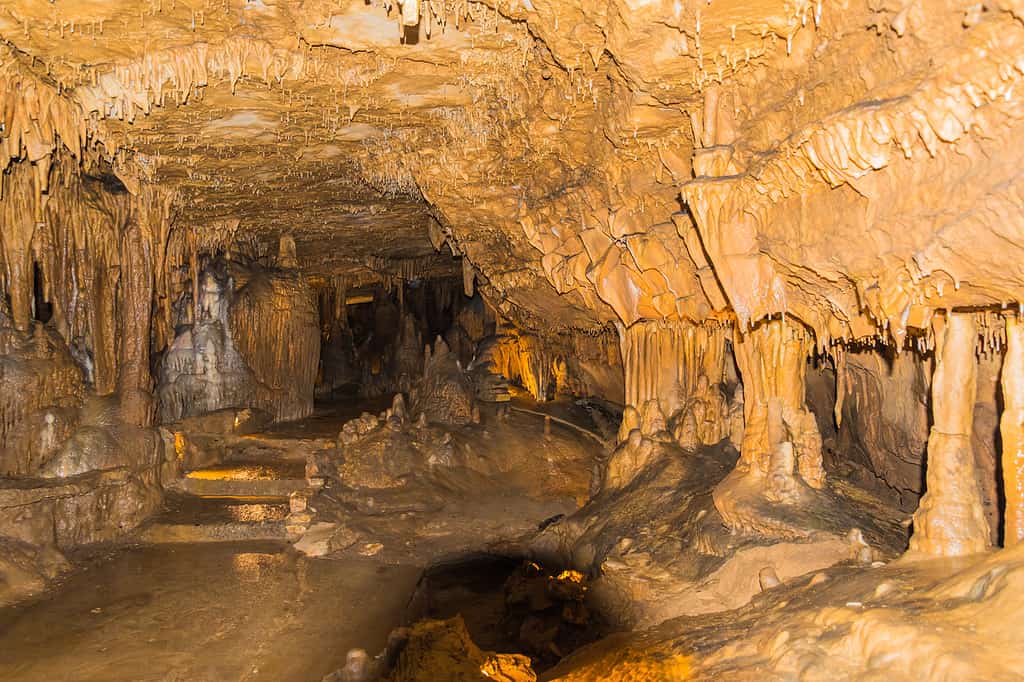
(511, 606)
(242, 611)
(190, 509)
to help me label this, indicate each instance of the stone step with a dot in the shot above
(223, 519)
(252, 469)
(169, 533)
(239, 488)
(244, 479)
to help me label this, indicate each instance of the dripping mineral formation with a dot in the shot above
(511, 339)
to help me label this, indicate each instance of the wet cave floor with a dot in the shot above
(180, 603)
(188, 607)
(213, 611)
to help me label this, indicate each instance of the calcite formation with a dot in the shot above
(949, 520)
(780, 453)
(218, 360)
(785, 232)
(1010, 429)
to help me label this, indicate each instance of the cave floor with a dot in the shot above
(214, 611)
(181, 604)
(327, 419)
(188, 606)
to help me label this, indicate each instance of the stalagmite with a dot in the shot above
(410, 12)
(286, 252)
(772, 362)
(1011, 431)
(273, 321)
(780, 454)
(950, 520)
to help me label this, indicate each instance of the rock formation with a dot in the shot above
(950, 520)
(762, 258)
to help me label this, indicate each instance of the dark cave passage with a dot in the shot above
(509, 605)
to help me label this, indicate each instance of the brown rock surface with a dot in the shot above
(781, 239)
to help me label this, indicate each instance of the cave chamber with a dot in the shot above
(428, 340)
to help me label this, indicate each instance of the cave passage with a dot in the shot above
(417, 340)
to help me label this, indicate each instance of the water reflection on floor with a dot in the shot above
(251, 471)
(204, 612)
(189, 509)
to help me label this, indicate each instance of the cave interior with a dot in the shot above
(406, 340)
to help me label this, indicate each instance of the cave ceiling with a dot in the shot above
(596, 162)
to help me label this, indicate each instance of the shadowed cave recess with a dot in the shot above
(424, 340)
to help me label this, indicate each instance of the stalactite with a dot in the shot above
(193, 268)
(521, 358)
(180, 253)
(340, 295)
(468, 277)
(78, 248)
(19, 226)
(407, 269)
(34, 117)
(841, 385)
(665, 361)
(571, 363)
(950, 520)
(274, 324)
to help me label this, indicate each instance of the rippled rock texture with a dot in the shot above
(782, 237)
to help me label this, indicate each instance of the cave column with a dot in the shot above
(772, 360)
(17, 243)
(780, 454)
(652, 361)
(20, 286)
(950, 520)
(102, 313)
(19, 217)
(533, 367)
(135, 382)
(144, 236)
(651, 358)
(1011, 428)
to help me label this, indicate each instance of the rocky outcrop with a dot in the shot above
(254, 343)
